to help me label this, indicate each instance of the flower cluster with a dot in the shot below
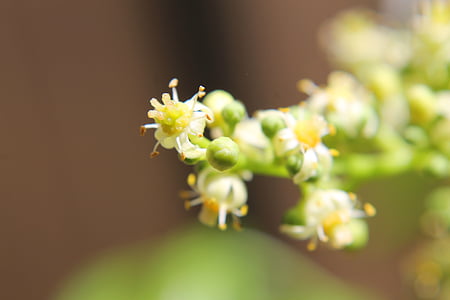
(407, 70)
(387, 112)
(285, 142)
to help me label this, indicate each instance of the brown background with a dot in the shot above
(76, 75)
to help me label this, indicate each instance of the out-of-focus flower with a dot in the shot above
(354, 40)
(326, 216)
(176, 121)
(345, 103)
(219, 194)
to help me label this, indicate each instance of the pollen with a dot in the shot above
(191, 179)
(334, 152)
(370, 210)
(307, 133)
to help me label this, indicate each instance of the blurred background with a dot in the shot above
(76, 177)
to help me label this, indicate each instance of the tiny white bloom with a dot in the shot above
(325, 211)
(219, 194)
(345, 103)
(175, 121)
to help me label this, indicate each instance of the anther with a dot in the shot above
(142, 130)
(370, 210)
(187, 205)
(332, 129)
(154, 154)
(173, 83)
(334, 152)
(244, 210)
(312, 245)
(191, 179)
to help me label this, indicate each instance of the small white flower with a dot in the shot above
(324, 213)
(301, 133)
(219, 194)
(176, 121)
(304, 134)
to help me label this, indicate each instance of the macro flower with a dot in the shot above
(303, 134)
(219, 194)
(176, 122)
(326, 216)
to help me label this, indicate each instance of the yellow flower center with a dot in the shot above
(307, 133)
(173, 117)
(334, 219)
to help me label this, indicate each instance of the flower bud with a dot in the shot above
(233, 113)
(294, 163)
(222, 153)
(271, 124)
(216, 101)
(383, 80)
(422, 104)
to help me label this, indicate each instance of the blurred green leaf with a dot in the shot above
(203, 264)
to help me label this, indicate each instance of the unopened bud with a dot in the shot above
(422, 104)
(216, 101)
(294, 163)
(271, 124)
(222, 153)
(233, 113)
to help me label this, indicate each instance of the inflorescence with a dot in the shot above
(387, 112)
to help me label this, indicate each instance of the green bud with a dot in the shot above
(383, 80)
(233, 113)
(222, 153)
(294, 163)
(270, 125)
(360, 233)
(216, 101)
(422, 103)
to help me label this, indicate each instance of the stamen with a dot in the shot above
(222, 217)
(191, 179)
(331, 129)
(236, 223)
(352, 196)
(243, 210)
(306, 86)
(334, 152)
(173, 83)
(154, 152)
(370, 209)
(201, 91)
(321, 234)
(284, 109)
(188, 204)
(184, 194)
(312, 245)
(142, 130)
